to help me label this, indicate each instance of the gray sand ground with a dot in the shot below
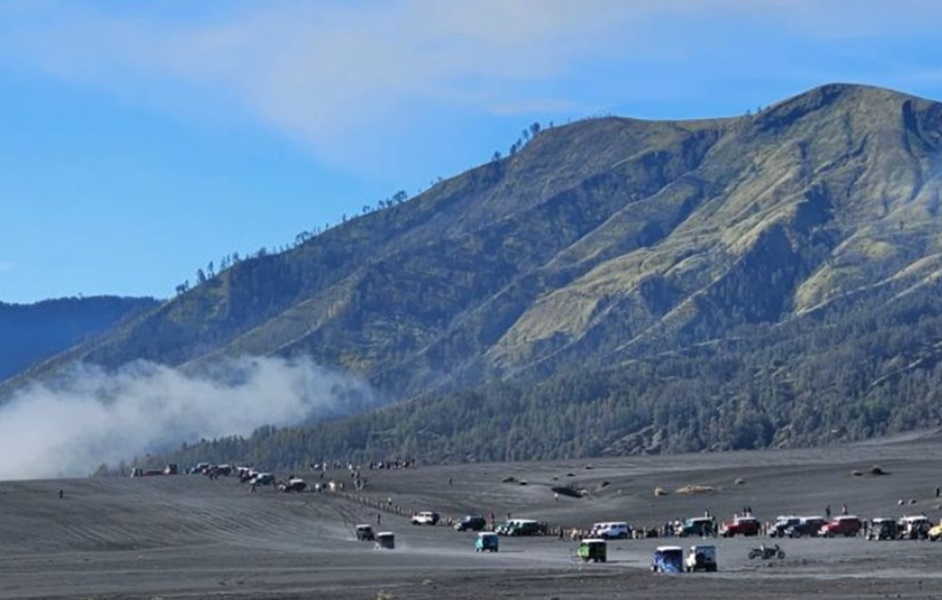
(190, 537)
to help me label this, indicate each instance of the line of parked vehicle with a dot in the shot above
(910, 527)
(249, 475)
(790, 526)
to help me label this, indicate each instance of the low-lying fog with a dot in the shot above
(92, 416)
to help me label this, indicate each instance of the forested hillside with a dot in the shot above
(819, 379)
(32, 332)
(613, 286)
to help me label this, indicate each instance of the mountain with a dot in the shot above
(33, 332)
(769, 279)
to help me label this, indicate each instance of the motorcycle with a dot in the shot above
(767, 552)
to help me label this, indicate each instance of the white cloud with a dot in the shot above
(315, 71)
(92, 417)
(324, 72)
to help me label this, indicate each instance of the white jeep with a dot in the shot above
(611, 531)
(426, 517)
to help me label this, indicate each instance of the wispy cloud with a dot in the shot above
(315, 71)
(6, 265)
(324, 72)
(92, 416)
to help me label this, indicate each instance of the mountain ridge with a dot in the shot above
(602, 243)
(37, 331)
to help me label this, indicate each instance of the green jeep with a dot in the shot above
(593, 549)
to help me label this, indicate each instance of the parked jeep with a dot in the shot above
(846, 525)
(935, 533)
(522, 527)
(782, 524)
(740, 525)
(615, 530)
(915, 527)
(883, 528)
(426, 517)
(806, 526)
(295, 484)
(471, 523)
(263, 479)
(698, 526)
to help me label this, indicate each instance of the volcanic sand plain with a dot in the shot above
(188, 536)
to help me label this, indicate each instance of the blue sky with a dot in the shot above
(143, 139)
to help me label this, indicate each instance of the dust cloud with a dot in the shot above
(91, 416)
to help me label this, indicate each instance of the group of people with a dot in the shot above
(827, 510)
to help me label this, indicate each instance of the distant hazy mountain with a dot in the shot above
(32, 332)
(765, 279)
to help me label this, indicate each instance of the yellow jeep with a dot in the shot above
(935, 533)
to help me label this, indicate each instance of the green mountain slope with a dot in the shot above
(642, 260)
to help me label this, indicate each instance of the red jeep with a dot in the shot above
(740, 526)
(846, 525)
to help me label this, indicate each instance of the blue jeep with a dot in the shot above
(668, 559)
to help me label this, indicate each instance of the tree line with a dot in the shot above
(848, 373)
